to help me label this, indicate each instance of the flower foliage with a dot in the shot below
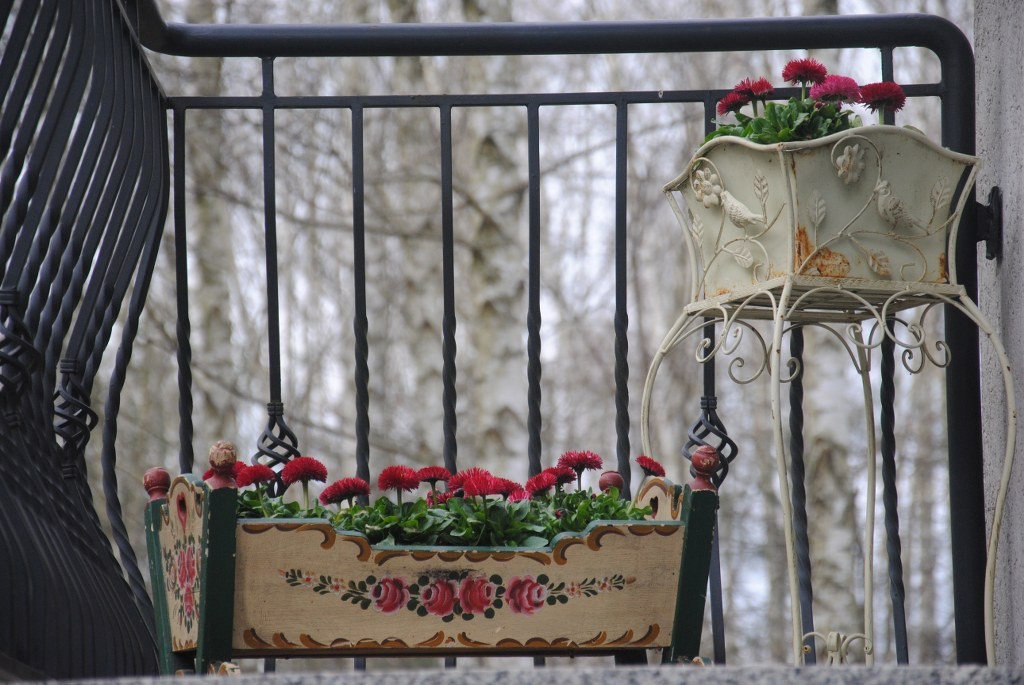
(478, 509)
(812, 115)
(303, 469)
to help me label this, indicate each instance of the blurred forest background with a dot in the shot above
(228, 293)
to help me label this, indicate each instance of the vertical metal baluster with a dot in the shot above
(533, 315)
(890, 500)
(448, 323)
(621, 297)
(359, 322)
(799, 491)
(183, 332)
(277, 444)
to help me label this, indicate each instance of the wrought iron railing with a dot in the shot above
(84, 190)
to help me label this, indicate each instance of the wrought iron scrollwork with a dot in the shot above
(75, 418)
(277, 445)
(18, 357)
(709, 430)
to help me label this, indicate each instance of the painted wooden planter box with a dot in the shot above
(228, 588)
(872, 207)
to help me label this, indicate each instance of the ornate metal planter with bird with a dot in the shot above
(873, 207)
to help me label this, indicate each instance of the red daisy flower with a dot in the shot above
(733, 102)
(518, 495)
(398, 477)
(303, 469)
(344, 489)
(580, 461)
(804, 71)
(505, 487)
(437, 499)
(650, 466)
(836, 89)
(481, 484)
(754, 88)
(254, 475)
(543, 482)
(886, 96)
(432, 474)
(457, 482)
(563, 474)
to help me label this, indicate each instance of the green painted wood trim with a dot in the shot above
(699, 511)
(168, 661)
(217, 579)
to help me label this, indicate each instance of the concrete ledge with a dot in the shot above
(651, 675)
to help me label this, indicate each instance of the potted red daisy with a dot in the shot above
(473, 563)
(800, 192)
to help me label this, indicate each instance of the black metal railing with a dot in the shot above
(84, 192)
(84, 188)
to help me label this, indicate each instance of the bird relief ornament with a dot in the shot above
(872, 204)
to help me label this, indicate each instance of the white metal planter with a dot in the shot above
(872, 207)
(840, 233)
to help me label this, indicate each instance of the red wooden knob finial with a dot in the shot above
(705, 462)
(156, 481)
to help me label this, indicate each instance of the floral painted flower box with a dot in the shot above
(228, 588)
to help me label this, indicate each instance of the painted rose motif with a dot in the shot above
(476, 594)
(190, 565)
(182, 577)
(189, 604)
(438, 598)
(525, 595)
(389, 595)
(181, 571)
(455, 594)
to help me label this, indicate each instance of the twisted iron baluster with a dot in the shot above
(799, 492)
(890, 500)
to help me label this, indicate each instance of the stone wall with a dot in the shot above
(999, 48)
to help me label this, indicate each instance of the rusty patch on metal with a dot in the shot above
(801, 247)
(943, 272)
(829, 264)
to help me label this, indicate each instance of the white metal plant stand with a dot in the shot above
(846, 232)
